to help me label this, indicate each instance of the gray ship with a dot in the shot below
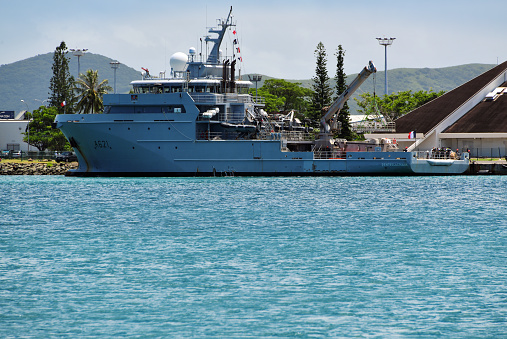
(202, 121)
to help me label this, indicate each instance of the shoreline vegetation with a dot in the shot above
(35, 167)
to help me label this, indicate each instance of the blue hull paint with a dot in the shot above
(109, 147)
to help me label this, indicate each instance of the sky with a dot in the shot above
(277, 37)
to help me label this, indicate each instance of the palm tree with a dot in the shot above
(90, 92)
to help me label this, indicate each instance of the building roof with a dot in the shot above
(486, 117)
(424, 118)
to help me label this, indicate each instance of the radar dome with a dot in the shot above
(178, 61)
(192, 51)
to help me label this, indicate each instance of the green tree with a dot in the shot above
(90, 92)
(290, 95)
(60, 85)
(272, 102)
(394, 105)
(321, 90)
(341, 86)
(41, 134)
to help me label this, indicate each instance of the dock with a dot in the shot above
(487, 167)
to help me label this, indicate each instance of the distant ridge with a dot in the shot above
(414, 79)
(28, 79)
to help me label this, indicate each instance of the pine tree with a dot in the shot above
(341, 86)
(61, 95)
(322, 91)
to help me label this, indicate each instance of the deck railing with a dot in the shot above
(438, 153)
(374, 127)
(319, 154)
(287, 135)
(213, 98)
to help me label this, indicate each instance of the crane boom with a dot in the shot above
(337, 106)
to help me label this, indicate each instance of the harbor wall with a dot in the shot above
(35, 168)
(49, 168)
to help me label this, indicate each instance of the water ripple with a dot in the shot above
(256, 257)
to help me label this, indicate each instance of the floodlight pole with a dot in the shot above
(114, 65)
(385, 42)
(79, 53)
(255, 78)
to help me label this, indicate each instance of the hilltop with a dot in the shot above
(28, 79)
(404, 79)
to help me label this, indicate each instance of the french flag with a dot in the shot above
(411, 135)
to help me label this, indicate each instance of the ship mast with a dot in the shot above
(213, 57)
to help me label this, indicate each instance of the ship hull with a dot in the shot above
(151, 147)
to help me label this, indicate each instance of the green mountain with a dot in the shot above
(28, 79)
(403, 79)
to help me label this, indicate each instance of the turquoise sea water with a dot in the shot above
(399, 257)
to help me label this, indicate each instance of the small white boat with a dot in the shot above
(440, 162)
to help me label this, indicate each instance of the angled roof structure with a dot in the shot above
(487, 117)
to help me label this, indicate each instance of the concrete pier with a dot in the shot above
(482, 167)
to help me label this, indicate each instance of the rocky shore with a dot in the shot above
(35, 168)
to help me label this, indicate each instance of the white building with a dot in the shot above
(471, 117)
(11, 134)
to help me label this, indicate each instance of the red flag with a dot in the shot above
(63, 103)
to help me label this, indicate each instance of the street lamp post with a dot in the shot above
(114, 65)
(23, 101)
(255, 78)
(41, 101)
(79, 53)
(385, 42)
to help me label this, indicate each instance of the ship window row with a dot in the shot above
(145, 109)
(159, 89)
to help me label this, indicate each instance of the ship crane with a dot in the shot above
(337, 106)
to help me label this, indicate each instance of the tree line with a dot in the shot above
(282, 95)
(67, 95)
